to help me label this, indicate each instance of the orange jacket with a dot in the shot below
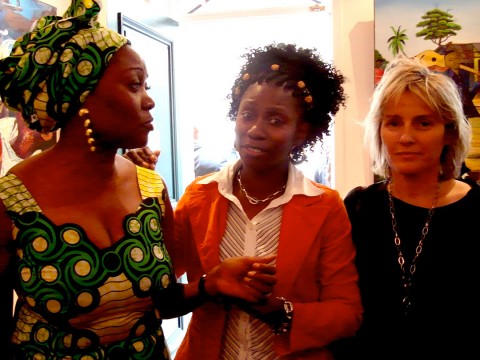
(315, 271)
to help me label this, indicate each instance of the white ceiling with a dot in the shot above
(209, 7)
(200, 10)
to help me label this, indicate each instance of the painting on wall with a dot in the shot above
(16, 139)
(445, 36)
(17, 17)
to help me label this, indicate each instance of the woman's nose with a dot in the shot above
(149, 103)
(407, 136)
(255, 130)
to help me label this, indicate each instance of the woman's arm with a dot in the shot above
(245, 279)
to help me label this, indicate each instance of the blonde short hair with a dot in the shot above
(439, 92)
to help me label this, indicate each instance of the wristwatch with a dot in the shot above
(285, 323)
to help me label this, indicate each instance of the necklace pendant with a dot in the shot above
(407, 277)
(407, 304)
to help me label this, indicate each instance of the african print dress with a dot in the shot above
(80, 302)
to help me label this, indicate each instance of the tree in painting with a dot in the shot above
(438, 26)
(397, 41)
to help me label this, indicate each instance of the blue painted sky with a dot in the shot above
(407, 14)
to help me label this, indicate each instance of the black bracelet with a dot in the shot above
(202, 293)
(204, 296)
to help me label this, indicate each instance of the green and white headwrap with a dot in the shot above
(53, 68)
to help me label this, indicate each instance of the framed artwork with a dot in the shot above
(427, 30)
(157, 51)
(17, 140)
(445, 36)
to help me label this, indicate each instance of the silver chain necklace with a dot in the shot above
(253, 200)
(407, 277)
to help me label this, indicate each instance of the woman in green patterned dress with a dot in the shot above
(83, 231)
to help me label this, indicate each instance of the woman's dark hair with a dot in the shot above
(316, 84)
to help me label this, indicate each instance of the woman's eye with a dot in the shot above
(247, 115)
(136, 84)
(276, 121)
(425, 123)
(391, 123)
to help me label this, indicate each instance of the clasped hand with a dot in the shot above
(247, 282)
(249, 279)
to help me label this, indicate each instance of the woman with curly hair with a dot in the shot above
(282, 102)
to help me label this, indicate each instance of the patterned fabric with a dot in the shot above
(77, 301)
(52, 69)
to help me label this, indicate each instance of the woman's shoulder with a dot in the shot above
(366, 191)
(320, 193)
(468, 180)
(358, 197)
(473, 192)
(151, 184)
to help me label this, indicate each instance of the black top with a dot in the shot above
(445, 316)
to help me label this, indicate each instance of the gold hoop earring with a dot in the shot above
(88, 131)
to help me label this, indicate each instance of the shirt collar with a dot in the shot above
(297, 183)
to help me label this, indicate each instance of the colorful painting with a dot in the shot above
(445, 36)
(16, 139)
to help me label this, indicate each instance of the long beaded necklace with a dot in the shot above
(253, 200)
(407, 277)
